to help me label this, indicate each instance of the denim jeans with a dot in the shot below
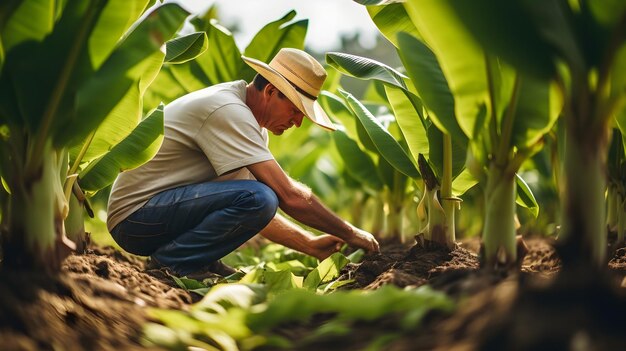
(190, 227)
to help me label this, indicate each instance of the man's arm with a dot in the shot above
(282, 231)
(299, 202)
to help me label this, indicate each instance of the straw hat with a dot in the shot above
(300, 77)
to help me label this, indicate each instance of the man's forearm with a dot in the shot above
(309, 210)
(282, 231)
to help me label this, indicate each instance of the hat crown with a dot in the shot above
(300, 69)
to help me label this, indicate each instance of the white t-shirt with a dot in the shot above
(208, 132)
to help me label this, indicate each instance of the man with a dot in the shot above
(214, 184)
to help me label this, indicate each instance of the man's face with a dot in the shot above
(283, 114)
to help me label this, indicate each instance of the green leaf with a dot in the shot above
(385, 143)
(161, 335)
(618, 77)
(188, 284)
(459, 152)
(113, 23)
(272, 37)
(391, 20)
(525, 197)
(607, 12)
(356, 256)
(222, 61)
(358, 163)
(408, 111)
(121, 120)
(337, 109)
(166, 87)
(365, 68)
(302, 167)
(509, 29)
(28, 20)
(32, 70)
(293, 266)
(232, 295)
(254, 276)
(128, 63)
(299, 305)
(136, 149)
(282, 280)
(455, 65)
(186, 48)
(463, 182)
(538, 107)
(501, 79)
(189, 76)
(326, 271)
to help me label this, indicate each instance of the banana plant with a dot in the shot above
(64, 68)
(581, 47)
(505, 115)
(423, 137)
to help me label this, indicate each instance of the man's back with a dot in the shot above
(207, 133)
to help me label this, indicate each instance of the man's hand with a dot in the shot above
(363, 240)
(324, 245)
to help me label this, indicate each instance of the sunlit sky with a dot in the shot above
(328, 19)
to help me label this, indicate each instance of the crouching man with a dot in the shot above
(214, 183)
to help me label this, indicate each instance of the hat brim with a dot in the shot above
(309, 107)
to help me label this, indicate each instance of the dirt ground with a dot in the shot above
(99, 300)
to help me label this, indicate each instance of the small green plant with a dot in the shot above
(244, 316)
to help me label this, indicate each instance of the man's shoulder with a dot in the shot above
(226, 93)
(215, 95)
(210, 98)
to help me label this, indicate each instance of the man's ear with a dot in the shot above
(270, 89)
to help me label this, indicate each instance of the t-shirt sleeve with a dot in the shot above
(231, 138)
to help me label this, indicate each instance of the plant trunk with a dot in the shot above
(448, 201)
(75, 222)
(359, 203)
(379, 216)
(613, 206)
(621, 219)
(440, 219)
(34, 237)
(584, 225)
(436, 230)
(396, 205)
(499, 245)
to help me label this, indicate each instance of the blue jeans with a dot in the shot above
(190, 227)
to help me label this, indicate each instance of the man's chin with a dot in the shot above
(278, 132)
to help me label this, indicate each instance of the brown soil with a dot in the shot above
(99, 300)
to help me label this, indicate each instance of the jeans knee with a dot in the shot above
(267, 202)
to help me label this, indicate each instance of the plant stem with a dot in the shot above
(505, 147)
(394, 199)
(499, 231)
(584, 225)
(70, 179)
(36, 213)
(448, 202)
(621, 218)
(612, 207)
(379, 216)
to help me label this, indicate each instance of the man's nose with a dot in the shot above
(297, 121)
